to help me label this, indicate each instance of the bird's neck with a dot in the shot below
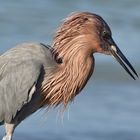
(70, 77)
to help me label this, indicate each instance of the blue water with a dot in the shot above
(109, 107)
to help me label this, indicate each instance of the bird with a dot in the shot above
(35, 75)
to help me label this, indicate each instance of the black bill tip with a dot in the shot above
(115, 51)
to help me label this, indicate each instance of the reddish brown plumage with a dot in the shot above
(72, 43)
(79, 36)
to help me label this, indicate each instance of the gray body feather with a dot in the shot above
(20, 70)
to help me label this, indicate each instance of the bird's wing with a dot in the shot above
(18, 77)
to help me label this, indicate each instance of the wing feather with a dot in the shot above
(20, 69)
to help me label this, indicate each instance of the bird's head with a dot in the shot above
(92, 31)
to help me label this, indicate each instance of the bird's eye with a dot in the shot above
(106, 35)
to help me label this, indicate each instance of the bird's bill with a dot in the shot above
(116, 52)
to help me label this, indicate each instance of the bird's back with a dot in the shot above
(26, 51)
(20, 70)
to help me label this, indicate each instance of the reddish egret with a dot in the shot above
(34, 75)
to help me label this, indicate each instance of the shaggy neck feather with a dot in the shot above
(71, 76)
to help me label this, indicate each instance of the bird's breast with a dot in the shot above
(66, 82)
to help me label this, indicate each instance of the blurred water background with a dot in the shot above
(109, 106)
